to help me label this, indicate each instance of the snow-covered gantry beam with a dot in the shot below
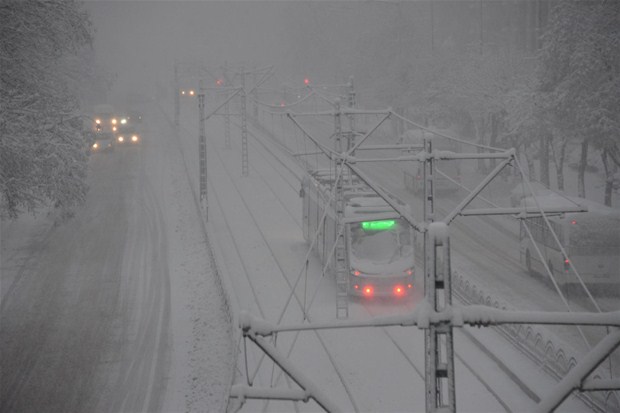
(268, 393)
(476, 315)
(600, 385)
(577, 374)
(473, 194)
(373, 217)
(423, 316)
(310, 390)
(426, 156)
(527, 212)
(445, 155)
(401, 147)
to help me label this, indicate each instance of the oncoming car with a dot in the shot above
(104, 142)
(127, 136)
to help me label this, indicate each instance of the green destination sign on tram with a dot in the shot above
(378, 225)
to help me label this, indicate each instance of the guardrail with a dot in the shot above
(531, 341)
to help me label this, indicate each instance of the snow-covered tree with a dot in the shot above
(43, 151)
(580, 78)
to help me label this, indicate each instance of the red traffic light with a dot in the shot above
(306, 81)
(219, 82)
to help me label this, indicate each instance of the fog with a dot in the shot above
(149, 253)
(139, 41)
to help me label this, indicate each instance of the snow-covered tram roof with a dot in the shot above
(371, 208)
(362, 202)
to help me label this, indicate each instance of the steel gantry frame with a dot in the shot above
(243, 93)
(436, 314)
(202, 155)
(341, 256)
(199, 71)
(244, 126)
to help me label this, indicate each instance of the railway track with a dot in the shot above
(261, 147)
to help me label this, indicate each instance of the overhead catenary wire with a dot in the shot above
(323, 345)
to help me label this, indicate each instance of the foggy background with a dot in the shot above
(137, 42)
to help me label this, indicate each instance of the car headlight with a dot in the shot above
(114, 121)
(134, 138)
(95, 145)
(123, 121)
(121, 138)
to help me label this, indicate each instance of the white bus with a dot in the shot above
(590, 239)
(379, 249)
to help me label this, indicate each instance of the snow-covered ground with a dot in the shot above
(120, 308)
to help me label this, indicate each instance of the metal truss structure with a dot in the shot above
(436, 315)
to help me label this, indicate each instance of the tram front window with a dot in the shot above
(381, 241)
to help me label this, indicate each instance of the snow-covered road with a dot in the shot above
(116, 310)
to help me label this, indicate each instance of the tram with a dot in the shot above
(379, 243)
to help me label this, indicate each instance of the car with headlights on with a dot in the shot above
(104, 142)
(127, 135)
